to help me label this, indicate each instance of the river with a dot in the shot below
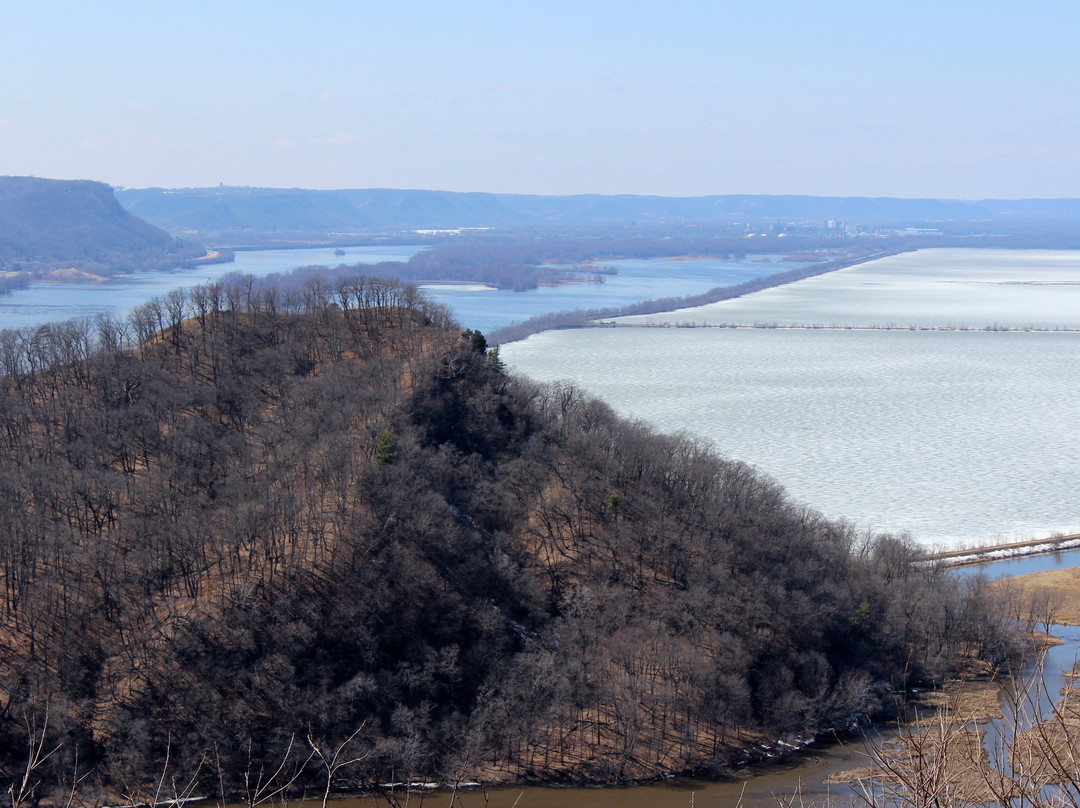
(636, 280)
(960, 437)
(44, 302)
(761, 791)
(474, 305)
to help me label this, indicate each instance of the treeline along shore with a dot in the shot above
(580, 318)
(251, 532)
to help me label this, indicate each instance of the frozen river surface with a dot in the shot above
(956, 436)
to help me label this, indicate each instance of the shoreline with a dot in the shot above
(565, 320)
(1003, 552)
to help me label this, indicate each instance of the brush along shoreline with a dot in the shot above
(1000, 552)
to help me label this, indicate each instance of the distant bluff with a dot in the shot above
(48, 224)
(238, 215)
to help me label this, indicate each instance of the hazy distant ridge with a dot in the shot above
(270, 210)
(46, 223)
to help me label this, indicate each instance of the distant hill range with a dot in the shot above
(202, 212)
(50, 224)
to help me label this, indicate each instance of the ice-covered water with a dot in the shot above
(932, 288)
(956, 436)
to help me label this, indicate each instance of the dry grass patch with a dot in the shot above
(1039, 595)
(962, 702)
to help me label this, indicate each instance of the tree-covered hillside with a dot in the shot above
(248, 523)
(46, 224)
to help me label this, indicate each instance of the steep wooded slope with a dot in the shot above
(247, 515)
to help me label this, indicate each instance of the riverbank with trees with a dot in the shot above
(594, 317)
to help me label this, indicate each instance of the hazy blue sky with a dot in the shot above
(941, 99)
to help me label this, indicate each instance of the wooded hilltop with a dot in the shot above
(251, 525)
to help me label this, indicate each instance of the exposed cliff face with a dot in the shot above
(46, 224)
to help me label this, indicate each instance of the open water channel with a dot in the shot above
(50, 301)
(475, 305)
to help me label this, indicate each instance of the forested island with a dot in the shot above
(252, 529)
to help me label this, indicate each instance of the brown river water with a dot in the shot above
(763, 787)
(764, 790)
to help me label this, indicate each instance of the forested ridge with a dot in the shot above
(248, 526)
(49, 224)
(239, 213)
